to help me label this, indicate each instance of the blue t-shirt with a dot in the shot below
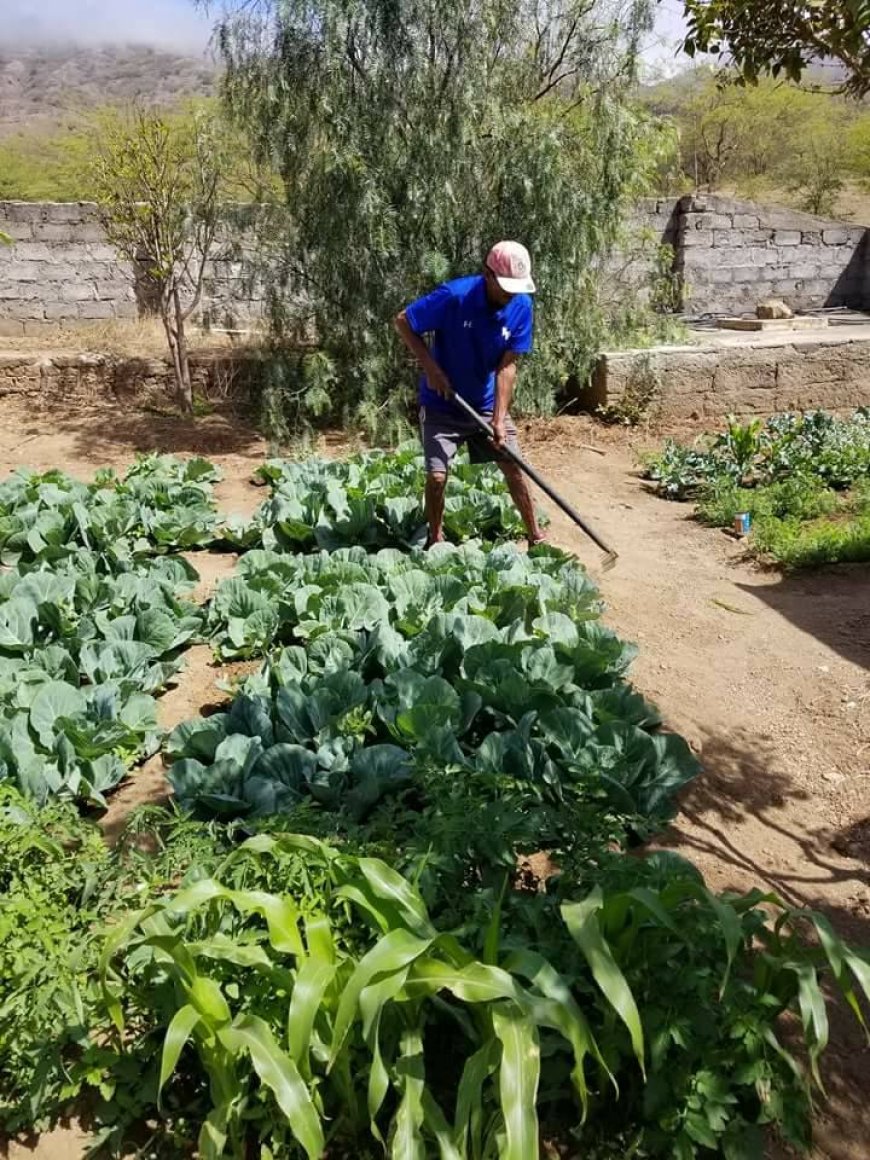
(469, 338)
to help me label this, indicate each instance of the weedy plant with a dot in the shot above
(802, 478)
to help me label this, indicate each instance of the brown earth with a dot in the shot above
(766, 675)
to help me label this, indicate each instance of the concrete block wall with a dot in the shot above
(732, 254)
(81, 380)
(729, 255)
(59, 269)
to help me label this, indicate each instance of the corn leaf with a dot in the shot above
(518, 1076)
(581, 918)
(279, 1073)
(407, 1143)
(179, 1031)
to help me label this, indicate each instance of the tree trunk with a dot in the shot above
(183, 359)
(178, 350)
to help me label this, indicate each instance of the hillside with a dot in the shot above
(41, 89)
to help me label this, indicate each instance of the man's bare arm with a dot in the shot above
(505, 381)
(436, 378)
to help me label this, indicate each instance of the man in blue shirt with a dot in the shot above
(479, 326)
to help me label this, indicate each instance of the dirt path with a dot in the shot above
(766, 676)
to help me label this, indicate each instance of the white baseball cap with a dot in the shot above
(512, 267)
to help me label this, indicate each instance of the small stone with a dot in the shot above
(773, 308)
(824, 668)
(832, 776)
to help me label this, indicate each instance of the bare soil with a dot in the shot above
(765, 674)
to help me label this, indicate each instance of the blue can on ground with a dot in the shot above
(742, 523)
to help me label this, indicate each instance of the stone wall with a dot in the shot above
(78, 380)
(762, 377)
(732, 254)
(728, 255)
(59, 269)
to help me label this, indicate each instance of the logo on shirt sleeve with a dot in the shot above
(506, 334)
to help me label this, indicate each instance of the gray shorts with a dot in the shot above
(443, 434)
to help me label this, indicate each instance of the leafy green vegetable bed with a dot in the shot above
(373, 500)
(373, 969)
(161, 504)
(803, 479)
(473, 661)
(82, 653)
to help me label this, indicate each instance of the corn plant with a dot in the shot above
(341, 1023)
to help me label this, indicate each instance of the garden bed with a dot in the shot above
(621, 594)
(803, 481)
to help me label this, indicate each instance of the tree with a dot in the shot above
(769, 136)
(410, 137)
(158, 187)
(785, 39)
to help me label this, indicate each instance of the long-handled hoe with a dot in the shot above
(610, 556)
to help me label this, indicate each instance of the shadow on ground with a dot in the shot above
(816, 867)
(831, 604)
(99, 435)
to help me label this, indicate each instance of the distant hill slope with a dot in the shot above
(42, 88)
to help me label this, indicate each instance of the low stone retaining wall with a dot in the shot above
(712, 380)
(74, 379)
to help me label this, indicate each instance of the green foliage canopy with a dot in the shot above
(785, 39)
(410, 140)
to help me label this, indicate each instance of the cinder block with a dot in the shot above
(712, 221)
(79, 291)
(697, 239)
(9, 291)
(787, 238)
(33, 328)
(54, 232)
(31, 251)
(702, 259)
(23, 271)
(22, 211)
(75, 212)
(835, 237)
(90, 232)
(96, 310)
(102, 252)
(24, 308)
(728, 239)
(739, 403)
(61, 310)
(18, 231)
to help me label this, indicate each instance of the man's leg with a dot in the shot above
(522, 497)
(436, 483)
(440, 442)
(482, 451)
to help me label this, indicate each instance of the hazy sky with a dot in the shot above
(164, 23)
(178, 24)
